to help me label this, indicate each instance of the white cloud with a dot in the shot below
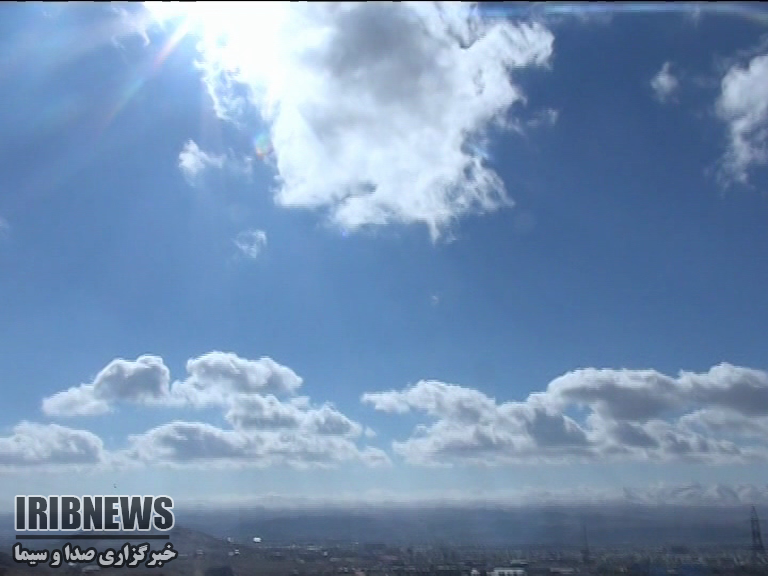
(664, 84)
(743, 105)
(214, 379)
(718, 416)
(629, 414)
(267, 412)
(132, 23)
(251, 243)
(269, 423)
(44, 445)
(197, 443)
(215, 376)
(547, 117)
(145, 380)
(193, 161)
(371, 107)
(694, 15)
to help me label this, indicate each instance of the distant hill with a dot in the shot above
(636, 525)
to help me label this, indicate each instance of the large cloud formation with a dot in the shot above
(270, 424)
(374, 109)
(719, 416)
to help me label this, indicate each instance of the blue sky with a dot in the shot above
(326, 252)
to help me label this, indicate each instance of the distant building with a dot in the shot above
(509, 571)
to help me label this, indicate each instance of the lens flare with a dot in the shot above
(262, 146)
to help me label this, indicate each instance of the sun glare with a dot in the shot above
(246, 36)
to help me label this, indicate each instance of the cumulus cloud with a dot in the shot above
(193, 162)
(189, 443)
(214, 379)
(268, 412)
(372, 108)
(270, 424)
(718, 416)
(145, 379)
(216, 376)
(251, 243)
(43, 445)
(664, 84)
(743, 106)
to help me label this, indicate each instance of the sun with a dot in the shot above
(247, 37)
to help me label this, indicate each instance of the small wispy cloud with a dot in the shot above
(695, 15)
(131, 23)
(193, 162)
(665, 84)
(251, 243)
(547, 117)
